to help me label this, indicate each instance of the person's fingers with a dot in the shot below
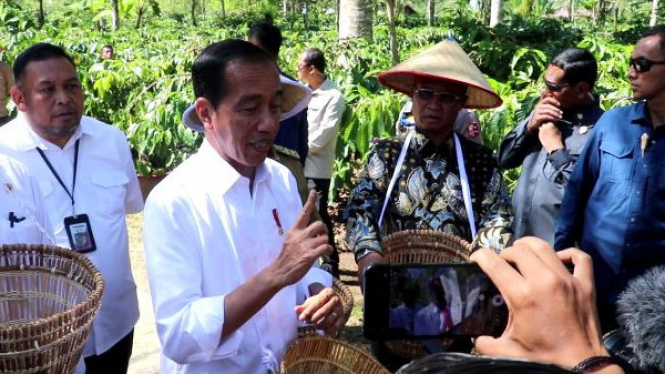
(548, 114)
(315, 229)
(310, 306)
(545, 253)
(522, 257)
(549, 100)
(504, 276)
(582, 262)
(306, 212)
(326, 310)
(489, 346)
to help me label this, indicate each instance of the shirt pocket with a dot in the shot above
(616, 161)
(111, 187)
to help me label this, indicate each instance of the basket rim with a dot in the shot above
(93, 302)
(295, 349)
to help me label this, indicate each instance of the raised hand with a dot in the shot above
(547, 110)
(303, 244)
(550, 137)
(552, 314)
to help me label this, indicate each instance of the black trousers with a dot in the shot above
(113, 361)
(322, 186)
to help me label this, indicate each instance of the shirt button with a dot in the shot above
(639, 192)
(632, 220)
(628, 245)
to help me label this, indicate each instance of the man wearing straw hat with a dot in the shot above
(419, 180)
(87, 183)
(228, 248)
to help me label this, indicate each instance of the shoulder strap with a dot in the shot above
(466, 192)
(396, 172)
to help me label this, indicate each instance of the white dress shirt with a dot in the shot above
(19, 199)
(205, 235)
(106, 189)
(324, 114)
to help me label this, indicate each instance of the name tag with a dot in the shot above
(79, 233)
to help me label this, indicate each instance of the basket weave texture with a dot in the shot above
(49, 297)
(323, 355)
(422, 247)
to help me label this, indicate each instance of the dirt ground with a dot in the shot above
(145, 356)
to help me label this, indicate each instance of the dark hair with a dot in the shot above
(38, 52)
(209, 70)
(269, 37)
(108, 46)
(461, 363)
(578, 65)
(657, 30)
(314, 56)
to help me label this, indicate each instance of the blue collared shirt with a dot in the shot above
(293, 132)
(614, 204)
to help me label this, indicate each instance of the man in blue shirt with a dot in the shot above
(614, 205)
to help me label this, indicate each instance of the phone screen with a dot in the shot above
(429, 301)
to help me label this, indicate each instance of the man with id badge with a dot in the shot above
(87, 183)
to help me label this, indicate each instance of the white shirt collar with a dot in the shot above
(27, 139)
(225, 175)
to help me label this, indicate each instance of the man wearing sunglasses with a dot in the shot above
(419, 179)
(548, 142)
(614, 204)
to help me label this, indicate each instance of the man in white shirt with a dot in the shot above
(324, 115)
(21, 211)
(229, 257)
(87, 184)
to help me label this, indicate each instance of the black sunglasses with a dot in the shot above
(643, 64)
(555, 87)
(443, 96)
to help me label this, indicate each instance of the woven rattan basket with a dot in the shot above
(48, 299)
(323, 355)
(422, 247)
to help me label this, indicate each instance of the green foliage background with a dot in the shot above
(147, 87)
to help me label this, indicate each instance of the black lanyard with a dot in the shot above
(55, 174)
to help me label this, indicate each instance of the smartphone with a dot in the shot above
(425, 301)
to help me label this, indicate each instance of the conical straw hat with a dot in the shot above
(444, 61)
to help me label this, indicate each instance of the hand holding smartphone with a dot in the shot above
(424, 301)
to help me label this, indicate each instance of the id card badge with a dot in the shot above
(79, 233)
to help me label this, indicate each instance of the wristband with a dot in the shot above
(598, 362)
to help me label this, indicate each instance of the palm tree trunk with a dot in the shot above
(40, 15)
(430, 12)
(193, 11)
(654, 13)
(355, 19)
(390, 5)
(496, 8)
(115, 15)
(223, 11)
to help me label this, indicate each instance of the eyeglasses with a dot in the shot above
(443, 96)
(555, 87)
(643, 64)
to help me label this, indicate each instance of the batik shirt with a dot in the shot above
(427, 194)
